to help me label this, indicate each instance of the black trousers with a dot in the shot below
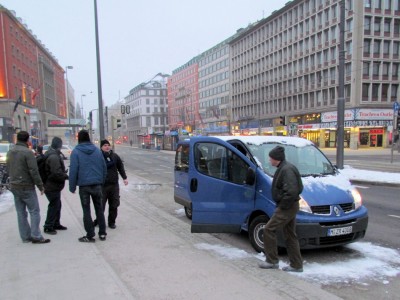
(53, 210)
(111, 195)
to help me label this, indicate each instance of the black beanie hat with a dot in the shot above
(278, 153)
(104, 142)
(83, 136)
(56, 143)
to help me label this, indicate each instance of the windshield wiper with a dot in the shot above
(316, 175)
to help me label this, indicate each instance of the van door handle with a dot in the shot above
(193, 185)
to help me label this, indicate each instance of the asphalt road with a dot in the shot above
(156, 167)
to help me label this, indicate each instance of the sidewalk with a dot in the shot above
(151, 255)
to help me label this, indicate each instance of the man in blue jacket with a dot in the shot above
(88, 170)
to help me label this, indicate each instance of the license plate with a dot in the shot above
(340, 231)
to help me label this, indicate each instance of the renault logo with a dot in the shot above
(336, 210)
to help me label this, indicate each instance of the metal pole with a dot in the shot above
(99, 90)
(341, 100)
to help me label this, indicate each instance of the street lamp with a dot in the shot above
(83, 95)
(66, 90)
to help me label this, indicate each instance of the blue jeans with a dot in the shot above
(27, 199)
(94, 191)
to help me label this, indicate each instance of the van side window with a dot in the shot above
(217, 161)
(182, 158)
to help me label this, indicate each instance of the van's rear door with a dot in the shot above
(221, 200)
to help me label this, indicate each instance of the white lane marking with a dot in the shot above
(362, 187)
(394, 216)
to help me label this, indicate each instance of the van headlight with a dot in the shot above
(304, 206)
(356, 198)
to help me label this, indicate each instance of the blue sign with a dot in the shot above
(395, 106)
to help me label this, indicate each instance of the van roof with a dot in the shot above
(258, 140)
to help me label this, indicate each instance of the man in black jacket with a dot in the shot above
(55, 182)
(111, 186)
(286, 189)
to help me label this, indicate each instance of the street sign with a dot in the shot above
(396, 106)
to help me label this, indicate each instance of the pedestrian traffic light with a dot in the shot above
(118, 123)
(282, 120)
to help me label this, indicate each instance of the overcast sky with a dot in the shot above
(138, 38)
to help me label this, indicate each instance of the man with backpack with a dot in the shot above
(53, 173)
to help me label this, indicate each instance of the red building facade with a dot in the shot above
(29, 76)
(183, 98)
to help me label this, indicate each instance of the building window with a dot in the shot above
(377, 47)
(367, 3)
(366, 68)
(396, 47)
(377, 25)
(365, 91)
(387, 24)
(367, 47)
(393, 94)
(375, 69)
(385, 90)
(375, 91)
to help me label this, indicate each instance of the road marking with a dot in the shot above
(362, 187)
(394, 216)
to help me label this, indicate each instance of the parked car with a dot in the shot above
(4, 147)
(224, 183)
(65, 150)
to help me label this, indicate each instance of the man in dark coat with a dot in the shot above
(286, 189)
(24, 176)
(111, 186)
(56, 176)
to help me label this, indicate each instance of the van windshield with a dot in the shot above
(309, 160)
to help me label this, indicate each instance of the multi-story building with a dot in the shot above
(183, 97)
(285, 72)
(214, 109)
(32, 88)
(147, 120)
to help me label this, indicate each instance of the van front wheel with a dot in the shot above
(188, 213)
(256, 232)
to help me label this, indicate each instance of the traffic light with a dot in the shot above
(106, 112)
(118, 123)
(282, 120)
(397, 121)
(90, 117)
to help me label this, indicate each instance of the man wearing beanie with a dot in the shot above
(111, 186)
(53, 185)
(24, 176)
(88, 170)
(286, 189)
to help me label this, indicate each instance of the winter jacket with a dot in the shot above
(22, 168)
(114, 166)
(87, 166)
(55, 169)
(286, 185)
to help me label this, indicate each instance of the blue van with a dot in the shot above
(224, 184)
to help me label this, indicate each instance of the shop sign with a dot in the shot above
(359, 114)
(366, 123)
(308, 126)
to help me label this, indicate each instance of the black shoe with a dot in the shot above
(102, 237)
(40, 241)
(50, 231)
(86, 239)
(60, 227)
(112, 226)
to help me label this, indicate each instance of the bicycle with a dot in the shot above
(4, 178)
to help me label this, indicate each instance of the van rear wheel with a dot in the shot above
(188, 213)
(256, 232)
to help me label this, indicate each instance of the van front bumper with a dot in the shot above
(315, 235)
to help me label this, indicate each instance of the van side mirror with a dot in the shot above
(250, 176)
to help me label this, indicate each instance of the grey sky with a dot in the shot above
(138, 38)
